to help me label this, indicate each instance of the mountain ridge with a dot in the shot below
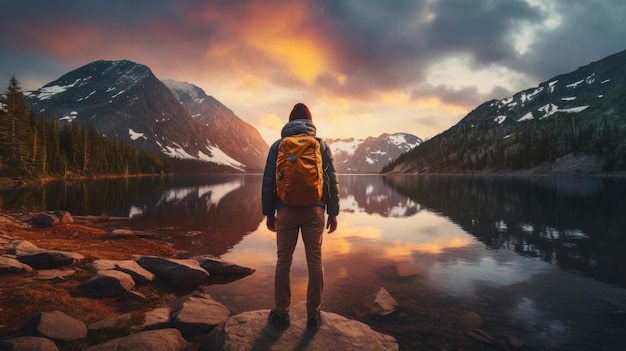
(123, 100)
(580, 114)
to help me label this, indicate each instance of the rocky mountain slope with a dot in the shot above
(123, 100)
(232, 134)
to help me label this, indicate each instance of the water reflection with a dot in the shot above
(199, 214)
(575, 222)
(370, 195)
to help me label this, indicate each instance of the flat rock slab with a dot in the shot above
(383, 304)
(196, 313)
(140, 275)
(54, 275)
(251, 330)
(152, 340)
(109, 283)
(11, 265)
(28, 343)
(57, 325)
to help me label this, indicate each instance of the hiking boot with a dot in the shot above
(279, 319)
(313, 321)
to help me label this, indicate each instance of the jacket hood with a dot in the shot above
(298, 126)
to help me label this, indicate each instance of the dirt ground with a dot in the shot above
(22, 296)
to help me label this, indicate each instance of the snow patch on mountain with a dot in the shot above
(134, 135)
(348, 146)
(221, 158)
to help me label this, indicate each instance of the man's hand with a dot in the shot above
(331, 224)
(271, 223)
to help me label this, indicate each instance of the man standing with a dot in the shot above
(288, 220)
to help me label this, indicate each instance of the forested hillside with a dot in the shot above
(576, 116)
(35, 146)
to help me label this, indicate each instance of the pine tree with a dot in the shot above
(53, 147)
(16, 139)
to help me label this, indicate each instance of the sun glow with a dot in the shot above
(283, 36)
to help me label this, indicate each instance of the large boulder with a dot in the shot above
(251, 330)
(46, 259)
(140, 275)
(196, 313)
(109, 283)
(219, 267)
(51, 218)
(45, 219)
(177, 273)
(28, 343)
(152, 340)
(56, 325)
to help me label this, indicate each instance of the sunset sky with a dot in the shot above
(364, 67)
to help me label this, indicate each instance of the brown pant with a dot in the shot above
(289, 221)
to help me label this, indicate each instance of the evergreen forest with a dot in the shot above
(477, 144)
(38, 146)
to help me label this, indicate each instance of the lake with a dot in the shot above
(541, 260)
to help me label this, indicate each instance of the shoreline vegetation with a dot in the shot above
(9, 183)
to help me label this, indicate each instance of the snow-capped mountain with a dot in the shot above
(371, 154)
(123, 100)
(554, 127)
(232, 134)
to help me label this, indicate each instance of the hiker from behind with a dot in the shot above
(299, 184)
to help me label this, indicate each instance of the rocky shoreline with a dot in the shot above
(186, 319)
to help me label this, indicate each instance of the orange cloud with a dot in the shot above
(280, 35)
(283, 37)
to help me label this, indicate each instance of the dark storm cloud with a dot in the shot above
(589, 30)
(482, 29)
(389, 45)
(376, 43)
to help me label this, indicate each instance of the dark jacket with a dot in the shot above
(330, 198)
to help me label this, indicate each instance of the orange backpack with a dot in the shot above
(299, 175)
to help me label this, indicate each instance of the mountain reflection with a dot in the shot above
(370, 195)
(215, 211)
(575, 222)
(206, 218)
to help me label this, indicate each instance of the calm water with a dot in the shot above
(541, 259)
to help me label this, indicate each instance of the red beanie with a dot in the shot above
(300, 111)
